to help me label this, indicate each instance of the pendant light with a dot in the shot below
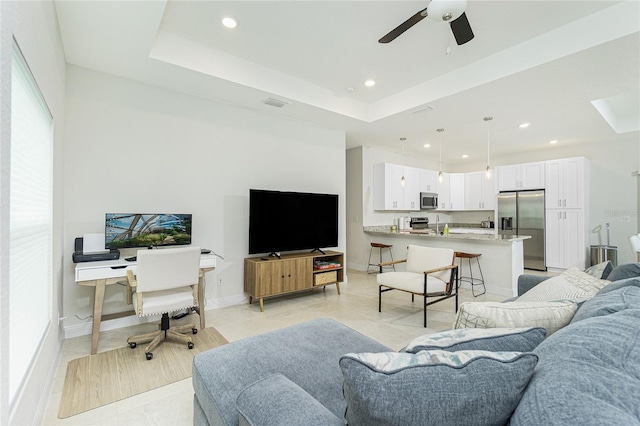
(440, 177)
(488, 171)
(402, 178)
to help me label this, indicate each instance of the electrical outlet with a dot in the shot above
(624, 219)
(220, 282)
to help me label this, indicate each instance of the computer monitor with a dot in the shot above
(126, 230)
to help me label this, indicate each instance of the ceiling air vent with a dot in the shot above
(422, 108)
(275, 102)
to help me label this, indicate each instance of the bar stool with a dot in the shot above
(470, 279)
(380, 247)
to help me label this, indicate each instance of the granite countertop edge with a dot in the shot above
(386, 230)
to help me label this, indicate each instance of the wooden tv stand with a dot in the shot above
(291, 273)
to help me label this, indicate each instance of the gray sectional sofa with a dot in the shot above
(587, 373)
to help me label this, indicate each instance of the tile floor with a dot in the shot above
(357, 307)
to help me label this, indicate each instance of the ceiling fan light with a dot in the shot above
(446, 10)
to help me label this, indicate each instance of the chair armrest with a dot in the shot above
(527, 282)
(395, 262)
(276, 400)
(131, 286)
(442, 268)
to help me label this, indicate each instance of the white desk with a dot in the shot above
(104, 273)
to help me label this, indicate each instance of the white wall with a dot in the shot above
(613, 192)
(34, 25)
(132, 147)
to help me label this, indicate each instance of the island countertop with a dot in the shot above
(502, 256)
(457, 234)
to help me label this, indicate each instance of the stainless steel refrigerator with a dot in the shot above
(522, 213)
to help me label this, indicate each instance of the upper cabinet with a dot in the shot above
(451, 192)
(565, 183)
(479, 192)
(428, 180)
(517, 177)
(388, 191)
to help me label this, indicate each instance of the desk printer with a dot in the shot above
(88, 253)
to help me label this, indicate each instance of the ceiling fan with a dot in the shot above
(451, 11)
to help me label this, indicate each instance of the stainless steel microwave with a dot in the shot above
(428, 200)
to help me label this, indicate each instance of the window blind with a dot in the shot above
(30, 223)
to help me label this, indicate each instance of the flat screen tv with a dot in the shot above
(126, 230)
(285, 221)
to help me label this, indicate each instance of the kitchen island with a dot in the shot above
(502, 259)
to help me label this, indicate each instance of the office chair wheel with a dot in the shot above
(194, 330)
(132, 345)
(149, 356)
(190, 345)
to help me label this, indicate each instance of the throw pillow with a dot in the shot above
(609, 303)
(485, 339)
(572, 284)
(550, 315)
(601, 270)
(621, 272)
(434, 387)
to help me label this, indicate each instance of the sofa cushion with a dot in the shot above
(621, 272)
(268, 401)
(615, 285)
(608, 303)
(550, 315)
(588, 374)
(484, 339)
(434, 387)
(601, 270)
(307, 353)
(572, 284)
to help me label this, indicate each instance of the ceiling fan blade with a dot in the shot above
(461, 29)
(404, 26)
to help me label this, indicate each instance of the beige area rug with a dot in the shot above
(107, 377)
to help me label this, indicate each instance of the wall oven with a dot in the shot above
(428, 200)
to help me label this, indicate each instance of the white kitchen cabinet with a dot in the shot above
(411, 188)
(565, 238)
(479, 192)
(388, 191)
(565, 180)
(444, 192)
(516, 177)
(451, 192)
(428, 180)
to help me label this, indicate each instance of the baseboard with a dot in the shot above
(85, 329)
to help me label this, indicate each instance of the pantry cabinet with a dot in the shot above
(565, 183)
(565, 245)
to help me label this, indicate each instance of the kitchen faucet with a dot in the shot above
(437, 227)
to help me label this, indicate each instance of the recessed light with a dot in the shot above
(370, 83)
(427, 145)
(525, 125)
(229, 22)
(349, 90)
(553, 141)
(465, 155)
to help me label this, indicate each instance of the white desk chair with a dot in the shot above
(166, 281)
(430, 272)
(635, 245)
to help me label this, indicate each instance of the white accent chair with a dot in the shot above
(635, 245)
(429, 272)
(166, 281)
